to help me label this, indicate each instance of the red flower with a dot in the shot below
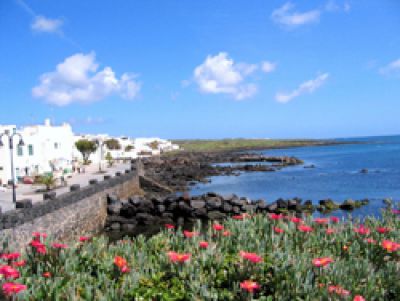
(321, 221)
(10, 288)
(238, 217)
(249, 285)
(120, 261)
(218, 227)
(189, 234)
(278, 230)
(169, 226)
(46, 274)
(203, 244)
(275, 216)
(322, 262)
(84, 238)
(176, 257)
(334, 219)
(390, 246)
(330, 231)
(10, 256)
(304, 228)
(362, 230)
(382, 230)
(59, 246)
(253, 257)
(20, 263)
(296, 220)
(38, 246)
(359, 298)
(226, 233)
(9, 272)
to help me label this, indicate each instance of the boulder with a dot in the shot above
(282, 204)
(128, 211)
(23, 204)
(215, 215)
(74, 187)
(272, 207)
(128, 227)
(197, 204)
(112, 199)
(50, 195)
(213, 203)
(348, 204)
(145, 206)
(114, 209)
(115, 226)
(135, 200)
(145, 218)
(200, 213)
(328, 204)
(226, 207)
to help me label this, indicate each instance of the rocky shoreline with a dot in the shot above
(164, 176)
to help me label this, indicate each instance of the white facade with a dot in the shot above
(46, 148)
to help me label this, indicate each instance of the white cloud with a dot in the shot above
(43, 24)
(76, 80)
(220, 74)
(391, 67)
(333, 6)
(286, 16)
(267, 66)
(307, 87)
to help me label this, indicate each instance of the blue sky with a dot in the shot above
(203, 69)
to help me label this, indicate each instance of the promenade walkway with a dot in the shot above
(28, 191)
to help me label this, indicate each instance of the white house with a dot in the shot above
(46, 148)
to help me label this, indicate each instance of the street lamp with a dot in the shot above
(11, 147)
(100, 144)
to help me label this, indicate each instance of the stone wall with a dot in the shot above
(81, 211)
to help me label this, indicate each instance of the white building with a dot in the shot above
(46, 148)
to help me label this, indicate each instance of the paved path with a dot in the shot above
(28, 191)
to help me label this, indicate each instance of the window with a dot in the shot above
(56, 145)
(30, 149)
(20, 151)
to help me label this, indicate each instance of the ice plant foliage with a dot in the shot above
(260, 258)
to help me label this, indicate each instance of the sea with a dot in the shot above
(360, 168)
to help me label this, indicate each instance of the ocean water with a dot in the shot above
(336, 175)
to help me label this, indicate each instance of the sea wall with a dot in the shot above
(80, 211)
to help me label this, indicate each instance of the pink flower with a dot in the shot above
(10, 256)
(330, 231)
(322, 262)
(275, 216)
(125, 269)
(59, 246)
(39, 235)
(240, 216)
(359, 298)
(46, 274)
(203, 244)
(249, 286)
(334, 219)
(84, 238)
(38, 246)
(296, 220)
(382, 230)
(338, 290)
(176, 257)
(304, 228)
(169, 226)
(9, 272)
(189, 234)
(371, 241)
(362, 230)
(20, 263)
(253, 257)
(10, 288)
(218, 227)
(278, 230)
(226, 233)
(321, 221)
(390, 246)
(396, 211)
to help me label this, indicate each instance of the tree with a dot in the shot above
(109, 159)
(154, 144)
(47, 180)
(128, 148)
(112, 144)
(86, 147)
